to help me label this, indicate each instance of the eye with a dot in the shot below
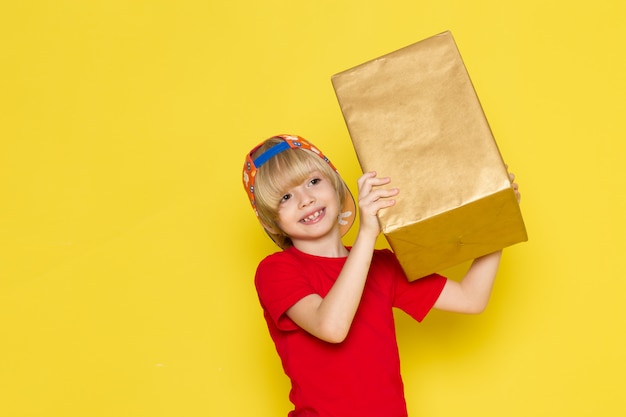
(315, 181)
(285, 198)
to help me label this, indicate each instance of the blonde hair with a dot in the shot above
(281, 172)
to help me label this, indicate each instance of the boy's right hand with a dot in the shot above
(329, 318)
(372, 198)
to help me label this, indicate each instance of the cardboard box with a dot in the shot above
(413, 115)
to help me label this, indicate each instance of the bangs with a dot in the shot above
(284, 171)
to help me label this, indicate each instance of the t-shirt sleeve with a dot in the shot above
(280, 284)
(417, 297)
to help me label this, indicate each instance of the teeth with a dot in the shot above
(312, 216)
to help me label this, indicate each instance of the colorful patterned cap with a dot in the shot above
(348, 211)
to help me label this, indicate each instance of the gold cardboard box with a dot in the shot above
(413, 115)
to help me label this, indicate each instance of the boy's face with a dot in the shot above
(309, 211)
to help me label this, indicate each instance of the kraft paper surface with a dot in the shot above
(413, 115)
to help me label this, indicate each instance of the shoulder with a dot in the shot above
(385, 258)
(281, 268)
(385, 268)
(384, 254)
(276, 262)
(280, 259)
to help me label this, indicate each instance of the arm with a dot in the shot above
(330, 318)
(471, 295)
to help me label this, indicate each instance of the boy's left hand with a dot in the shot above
(515, 187)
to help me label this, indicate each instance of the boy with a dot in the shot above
(329, 307)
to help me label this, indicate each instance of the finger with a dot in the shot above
(374, 208)
(382, 199)
(515, 188)
(377, 194)
(385, 192)
(367, 184)
(366, 176)
(371, 178)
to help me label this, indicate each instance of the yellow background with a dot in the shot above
(127, 246)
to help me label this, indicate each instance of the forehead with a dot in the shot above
(298, 176)
(290, 168)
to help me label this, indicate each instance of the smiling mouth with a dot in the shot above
(313, 216)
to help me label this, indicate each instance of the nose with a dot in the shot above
(306, 198)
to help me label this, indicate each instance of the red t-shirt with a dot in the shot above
(359, 377)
